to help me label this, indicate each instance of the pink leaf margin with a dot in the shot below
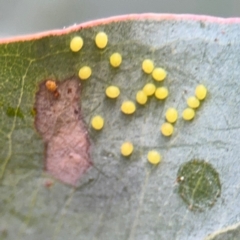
(121, 18)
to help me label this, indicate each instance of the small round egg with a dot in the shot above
(154, 157)
(76, 44)
(127, 149)
(147, 66)
(161, 93)
(201, 92)
(193, 102)
(141, 97)
(188, 114)
(116, 59)
(112, 92)
(171, 115)
(85, 72)
(101, 40)
(97, 122)
(159, 74)
(167, 129)
(149, 89)
(128, 107)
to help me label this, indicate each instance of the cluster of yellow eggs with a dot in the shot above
(193, 102)
(158, 74)
(128, 107)
(188, 114)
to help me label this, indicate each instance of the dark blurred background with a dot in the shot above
(19, 17)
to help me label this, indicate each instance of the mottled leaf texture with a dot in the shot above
(61, 179)
(58, 120)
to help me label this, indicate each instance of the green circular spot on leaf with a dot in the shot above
(199, 184)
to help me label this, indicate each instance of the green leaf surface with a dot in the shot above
(125, 198)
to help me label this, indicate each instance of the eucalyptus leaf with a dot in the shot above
(119, 197)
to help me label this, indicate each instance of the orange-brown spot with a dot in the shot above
(51, 85)
(48, 183)
(56, 94)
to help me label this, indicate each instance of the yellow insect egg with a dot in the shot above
(128, 107)
(188, 114)
(154, 157)
(76, 44)
(85, 72)
(161, 93)
(112, 92)
(171, 115)
(115, 59)
(159, 74)
(149, 89)
(127, 149)
(201, 92)
(101, 40)
(147, 66)
(141, 97)
(51, 85)
(167, 129)
(97, 122)
(193, 102)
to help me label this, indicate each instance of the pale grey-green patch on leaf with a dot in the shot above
(119, 198)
